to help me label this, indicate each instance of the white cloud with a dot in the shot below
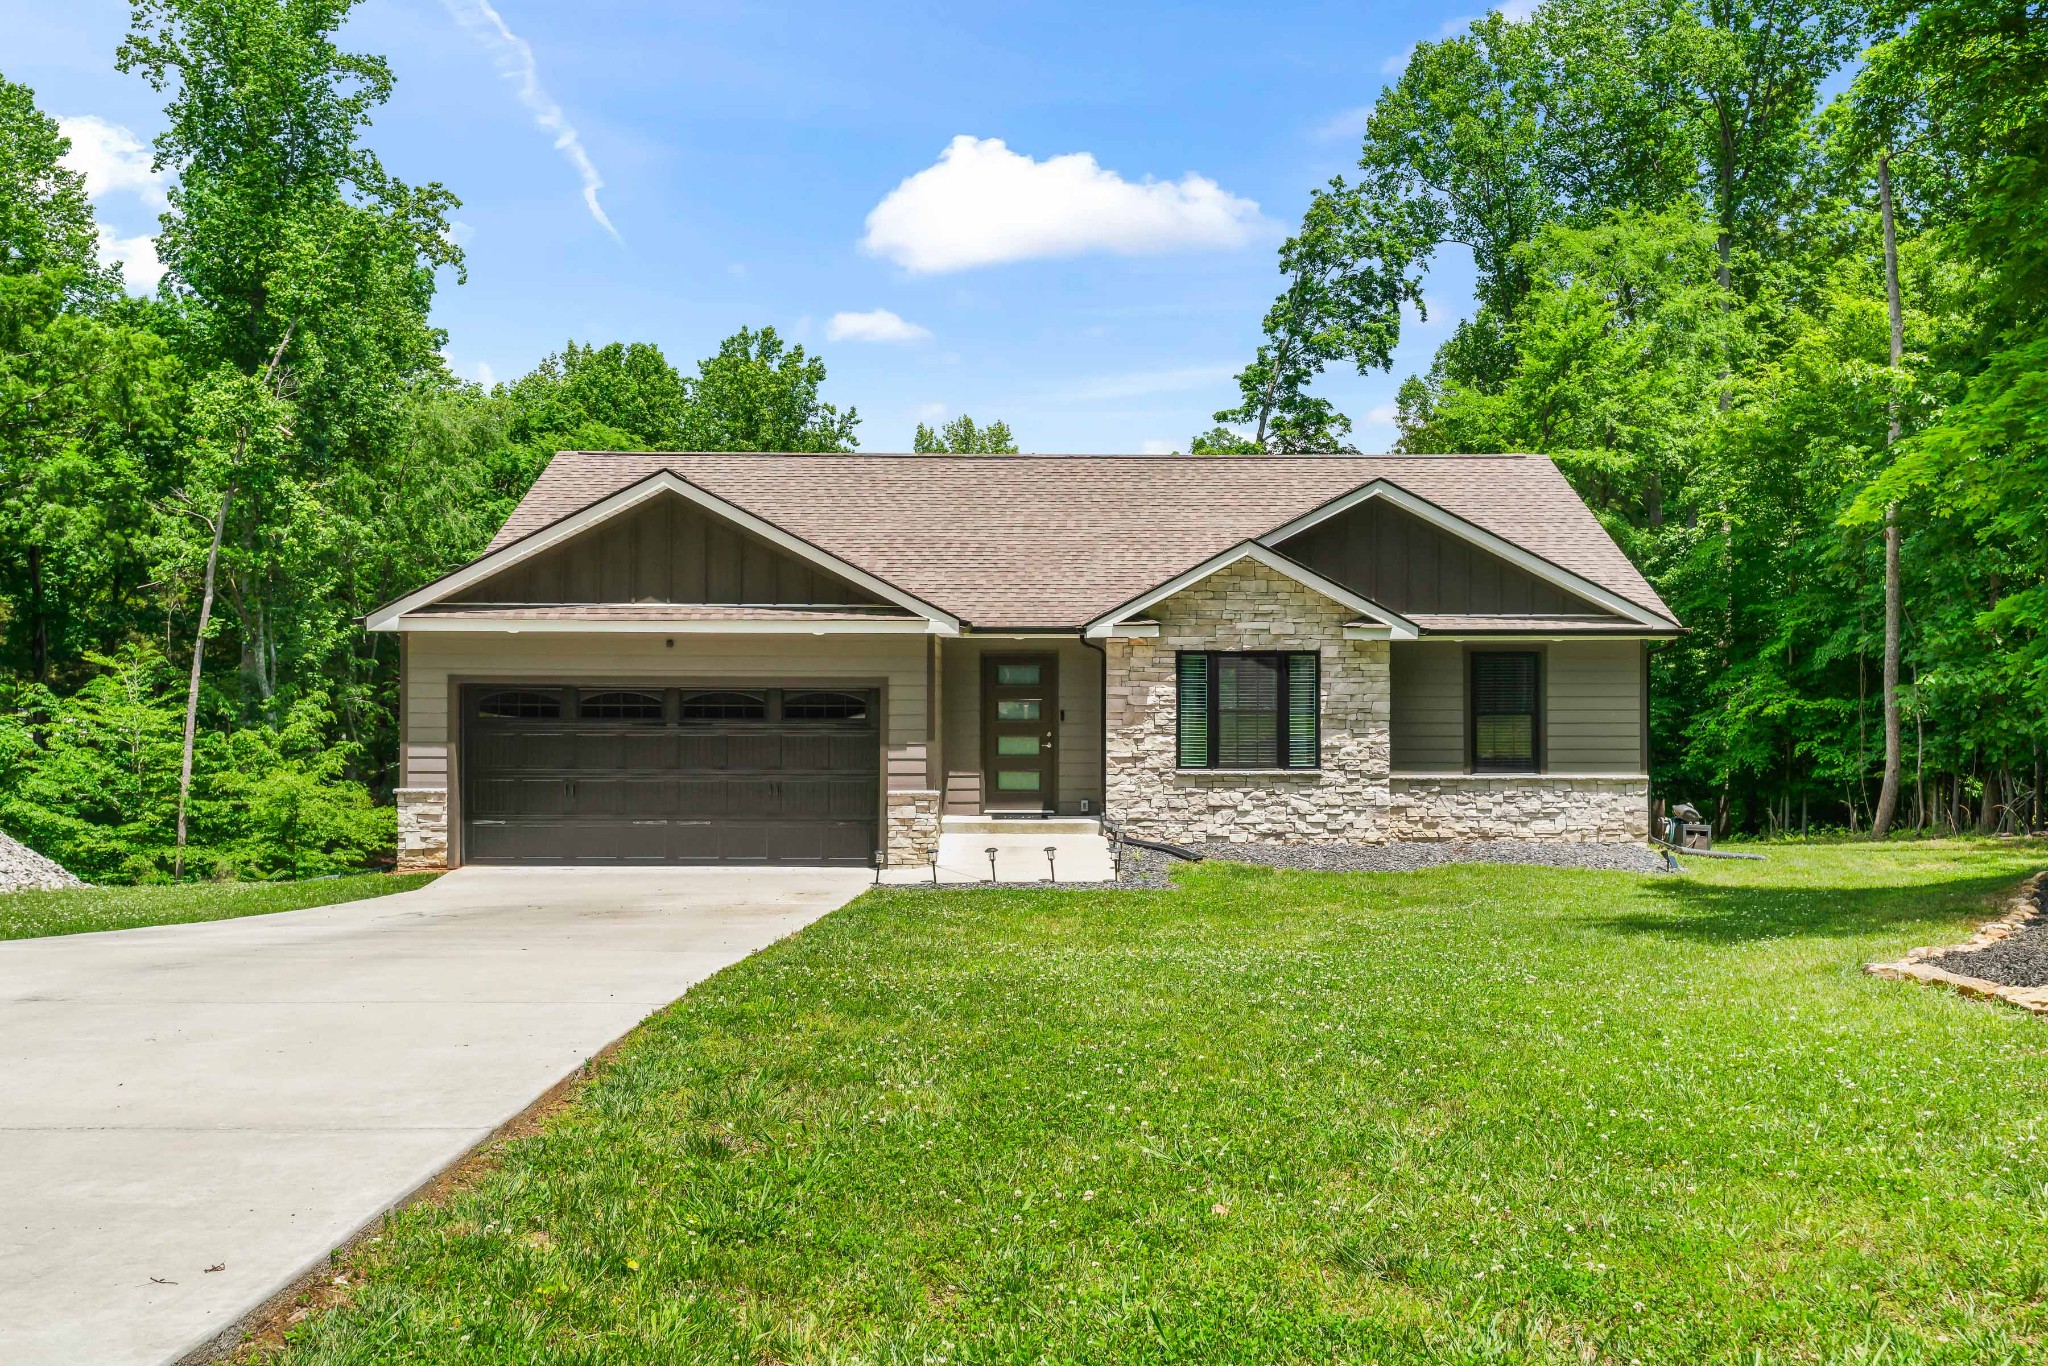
(1155, 446)
(876, 325)
(112, 158)
(930, 412)
(140, 270)
(513, 56)
(1142, 383)
(982, 204)
(1382, 415)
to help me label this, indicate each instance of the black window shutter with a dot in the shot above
(1304, 711)
(1194, 711)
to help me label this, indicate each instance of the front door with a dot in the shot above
(1019, 720)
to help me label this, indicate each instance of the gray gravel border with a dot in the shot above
(1413, 856)
(2018, 960)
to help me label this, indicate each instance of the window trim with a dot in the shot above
(1283, 712)
(1539, 730)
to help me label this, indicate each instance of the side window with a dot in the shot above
(1507, 722)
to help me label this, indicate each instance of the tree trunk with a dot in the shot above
(1987, 806)
(192, 689)
(1888, 797)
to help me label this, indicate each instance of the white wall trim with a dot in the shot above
(1399, 627)
(880, 626)
(1507, 550)
(1512, 637)
(662, 481)
(1416, 775)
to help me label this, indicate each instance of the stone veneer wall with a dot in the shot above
(913, 827)
(1354, 798)
(1249, 607)
(1520, 806)
(422, 829)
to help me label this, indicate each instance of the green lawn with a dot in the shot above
(1477, 1114)
(31, 915)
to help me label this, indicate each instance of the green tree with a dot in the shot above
(46, 222)
(301, 265)
(88, 401)
(962, 437)
(756, 394)
(629, 389)
(1347, 273)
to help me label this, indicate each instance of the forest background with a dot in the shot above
(1788, 343)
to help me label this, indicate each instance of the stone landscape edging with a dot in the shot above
(1919, 965)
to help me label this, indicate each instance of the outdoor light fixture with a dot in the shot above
(991, 852)
(935, 868)
(1051, 871)
(880, 856)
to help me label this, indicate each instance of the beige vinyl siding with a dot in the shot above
(1593, 706)
(1079, 776)
(1428, 706)
(437, 662)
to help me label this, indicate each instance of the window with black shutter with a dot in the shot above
(1507, 723)
(1249, 711)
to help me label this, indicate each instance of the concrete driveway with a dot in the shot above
(192, 1116)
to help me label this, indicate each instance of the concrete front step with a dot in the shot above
(1024, 827)
(1080, 853)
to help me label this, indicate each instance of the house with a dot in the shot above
(821, 658)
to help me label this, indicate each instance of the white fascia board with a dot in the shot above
(1368, 633)
(1477, 535)
(662, 481)
(1128, 630)
(1518, 636)
(698, 626)
(1400, 628)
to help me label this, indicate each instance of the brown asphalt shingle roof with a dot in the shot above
(1055, 541)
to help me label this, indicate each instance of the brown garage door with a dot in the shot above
(669, 775)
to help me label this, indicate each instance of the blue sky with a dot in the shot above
(1061, 215)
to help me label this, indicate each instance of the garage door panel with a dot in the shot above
(652, 751)
(697, 750)
(754, 750)
(594, 789)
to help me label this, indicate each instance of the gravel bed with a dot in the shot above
(2018, 960)
(1147, 868)
(1405, 858)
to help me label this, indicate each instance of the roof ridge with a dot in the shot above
(1060, 455)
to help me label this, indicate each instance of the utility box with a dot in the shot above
(1688, 834)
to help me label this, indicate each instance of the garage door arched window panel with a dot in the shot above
(520, 705)
(824, 706)
(619, 706)
(723, 706)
